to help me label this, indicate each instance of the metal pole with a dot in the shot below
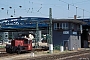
(76, 11)
(12, 35)
(50, 17)
(83, 14)
(36, 35)
(39, 36)
(50, 31)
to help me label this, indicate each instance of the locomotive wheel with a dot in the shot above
(10, 51)
(18, 51)
(7, 50)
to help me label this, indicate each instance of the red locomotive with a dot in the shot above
(18, 45)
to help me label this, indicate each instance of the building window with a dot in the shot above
(78, 27)
(55, 26)
(58, 25)
(65, 25)
(72, 26)
(61, 26)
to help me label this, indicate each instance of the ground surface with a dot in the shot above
(81, 57)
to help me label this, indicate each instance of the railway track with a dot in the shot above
(3, 52)
(46, 57)
(6, 54)
(57, 56)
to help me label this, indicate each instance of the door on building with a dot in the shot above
(65, 44)
(84, 39)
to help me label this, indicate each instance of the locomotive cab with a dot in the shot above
(18, 45)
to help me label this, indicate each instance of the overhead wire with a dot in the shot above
(84, 10)
(74, 6)
(68, 5)
(38, 10)
(81, 2)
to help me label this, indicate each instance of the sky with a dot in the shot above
(61, 9)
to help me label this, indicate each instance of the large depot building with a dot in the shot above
(66, 32)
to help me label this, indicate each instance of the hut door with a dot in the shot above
(65, 44)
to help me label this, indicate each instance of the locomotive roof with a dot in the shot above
(21, 39)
